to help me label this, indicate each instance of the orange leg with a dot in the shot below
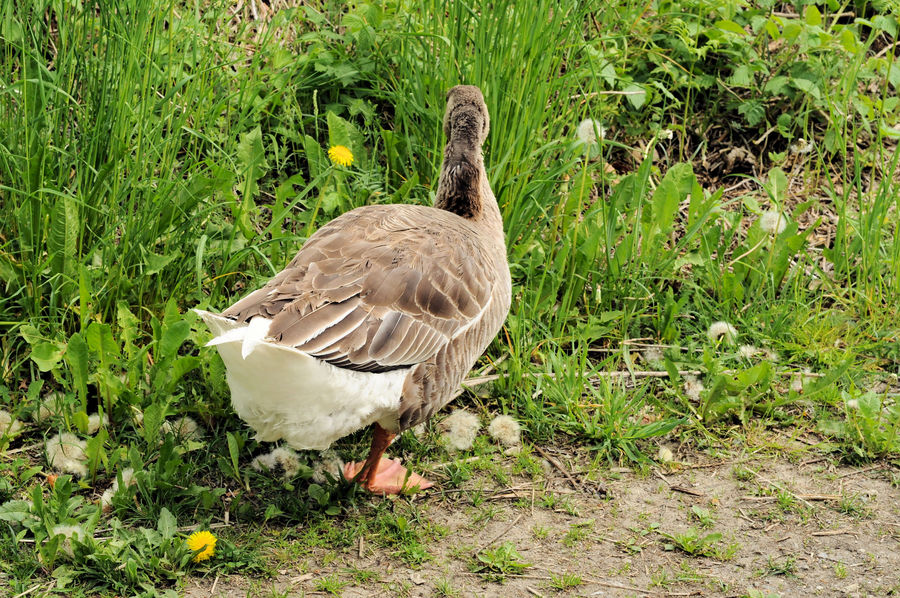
(380, 475)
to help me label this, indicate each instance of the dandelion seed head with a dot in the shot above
(770, 355)
(340, 155)
(330, 464)
(653, 356)
(773, 222)
(280, 458)
(107, 496)
(65, 453)
(853, 404)
(722, 330)
(747, 351)
(51, 406)
(68, 532)
(95, 421)
(9, 426)
(587, 131)
(505, 430)
(185, 428)
(263, 462)
(203, 543)
(802, 146)
(693, 387)
(461, 430)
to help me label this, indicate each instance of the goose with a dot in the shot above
(379, 317)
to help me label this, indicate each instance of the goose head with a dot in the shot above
(466, 120)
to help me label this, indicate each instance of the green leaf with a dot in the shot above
(251, 155)
(81, 421)
(777, 85)
(17, 511)
(778, 185)
(100, 340)
(234, 454)
(731, 27)
(742, 76)
(315, 157)
(153, 418)
(154, 264)
(808, 86)
(343, 132)
(812, 15)
(172, 338)
(62, 238)
(77, 358)
(46, 355)
(128, 325)
(637, 95)
(338, 131)
(167, 524)
(886, 23)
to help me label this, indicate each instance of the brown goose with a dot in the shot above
(380, 315)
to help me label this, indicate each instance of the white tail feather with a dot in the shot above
(256, 332)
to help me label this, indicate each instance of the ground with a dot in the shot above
(785, 522)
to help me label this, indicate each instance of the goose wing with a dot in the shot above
(378, 288)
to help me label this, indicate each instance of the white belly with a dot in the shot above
(285, 393)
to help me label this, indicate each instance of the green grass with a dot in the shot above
(167, 155)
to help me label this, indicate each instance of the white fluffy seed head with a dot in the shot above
(802, 146)
(770, 355)
(106, 498)
(505, 430)
(283, 458)
(747, 351)
(773, 222)
(462, 429)
(653, 356)
(95, 421)
(329, 464)
(68, 532)
(9, 426)
(588, 129)
(65, 453)
(51, 405)
(722, 330)
(184, 427)
(693, 387)
(420, 430)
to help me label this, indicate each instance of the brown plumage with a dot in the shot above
(401, 287)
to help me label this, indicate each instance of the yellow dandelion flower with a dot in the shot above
(341, 155)
(203, 543)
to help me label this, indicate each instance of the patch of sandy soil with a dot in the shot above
(788, 529)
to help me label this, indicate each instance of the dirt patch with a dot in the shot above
(760, 526)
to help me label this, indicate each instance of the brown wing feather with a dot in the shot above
(377, 288)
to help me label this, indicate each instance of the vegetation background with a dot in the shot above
(739, 165)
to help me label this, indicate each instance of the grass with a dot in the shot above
(167, 155)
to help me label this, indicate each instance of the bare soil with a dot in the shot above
(789, 527)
